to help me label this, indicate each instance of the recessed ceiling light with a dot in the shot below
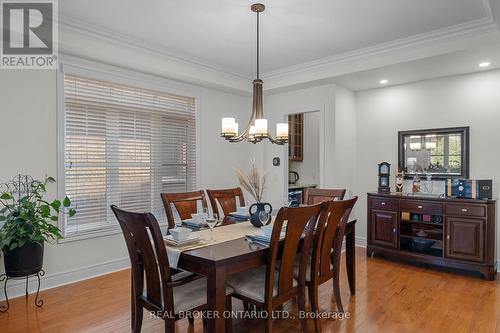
(485, 64)
(384, 81)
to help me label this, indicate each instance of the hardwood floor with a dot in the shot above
(391, 297)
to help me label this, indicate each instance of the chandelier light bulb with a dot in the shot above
(261, 126)
(281, 130)
(229, 126)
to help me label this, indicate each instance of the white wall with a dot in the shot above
(468, 100)
(337, 122)
(308, 169)
(345, 140)
(28, 114)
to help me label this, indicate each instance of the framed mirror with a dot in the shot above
(442, 153)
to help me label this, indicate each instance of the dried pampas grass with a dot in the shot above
(252, 182)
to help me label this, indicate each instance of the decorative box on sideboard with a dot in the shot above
(449, 232)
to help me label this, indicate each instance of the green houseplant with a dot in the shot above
(28, 221)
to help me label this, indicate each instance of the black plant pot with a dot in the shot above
(258, 211)
(24, 260)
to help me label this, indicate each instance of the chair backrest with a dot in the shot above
(316, 195)
(186, 204)
(329, 235)
(227, 200)
(296, 221)
(148, 257)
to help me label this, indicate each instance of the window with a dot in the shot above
(124, 146)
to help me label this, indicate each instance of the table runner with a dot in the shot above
(222, 234)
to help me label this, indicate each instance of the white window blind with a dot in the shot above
(124, 146)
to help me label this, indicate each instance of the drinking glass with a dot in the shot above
(211, 224)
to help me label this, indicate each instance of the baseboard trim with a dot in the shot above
(16, 288)
(360, 241)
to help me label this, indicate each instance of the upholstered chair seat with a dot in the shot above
(251, 283)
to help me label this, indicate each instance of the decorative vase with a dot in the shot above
(25, 260)
(260, 214)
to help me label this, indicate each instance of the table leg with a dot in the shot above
(351, 258)
(216, 300)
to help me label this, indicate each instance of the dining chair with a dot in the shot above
(315, 195)
(226, 198)
(268, 287)
(169, 298)
(186, 203)
(324, 264)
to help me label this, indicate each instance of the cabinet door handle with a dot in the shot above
(420, 207)
(465, 210)
(448, 237)
(382, 203)
(394, 230)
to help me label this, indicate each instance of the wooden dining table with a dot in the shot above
(217, 261)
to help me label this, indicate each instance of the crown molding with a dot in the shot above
(70, 24)
(473, 28)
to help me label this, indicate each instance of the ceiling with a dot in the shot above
(423, 69)
(221, 33)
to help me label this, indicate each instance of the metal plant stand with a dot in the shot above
(20, 186)
(4, 277)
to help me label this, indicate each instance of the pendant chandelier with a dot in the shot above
(256, 129)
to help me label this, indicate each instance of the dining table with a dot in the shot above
(218, 260)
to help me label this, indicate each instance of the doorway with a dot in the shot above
(304, 156)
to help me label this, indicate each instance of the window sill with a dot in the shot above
(91, 234)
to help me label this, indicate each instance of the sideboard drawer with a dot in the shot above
(384, 204)
(466, 210)
(421, 206)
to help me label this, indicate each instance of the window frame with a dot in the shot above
(98, 71)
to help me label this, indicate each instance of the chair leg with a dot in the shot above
(136, 315)
(302, 307)
(313, 298)
(169, 326)
(246, 306)
(132, 312)
(269, 321)
(336, 293)
(229, 309)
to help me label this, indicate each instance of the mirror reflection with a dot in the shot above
(441, 152)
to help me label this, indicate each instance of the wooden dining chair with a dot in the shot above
(268, 287)
(316, 195)
(324, 263)
(186, 203)
(226, 198)
(167, 297)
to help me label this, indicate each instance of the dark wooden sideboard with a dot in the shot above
(450, 232)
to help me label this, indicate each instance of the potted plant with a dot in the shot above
(27, 223)
(255, 184)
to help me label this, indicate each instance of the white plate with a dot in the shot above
(240, 214)
(262, 237)
(195, 222)
(190, 240)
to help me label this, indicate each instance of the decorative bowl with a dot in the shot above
(180, 233)
(422, 244)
